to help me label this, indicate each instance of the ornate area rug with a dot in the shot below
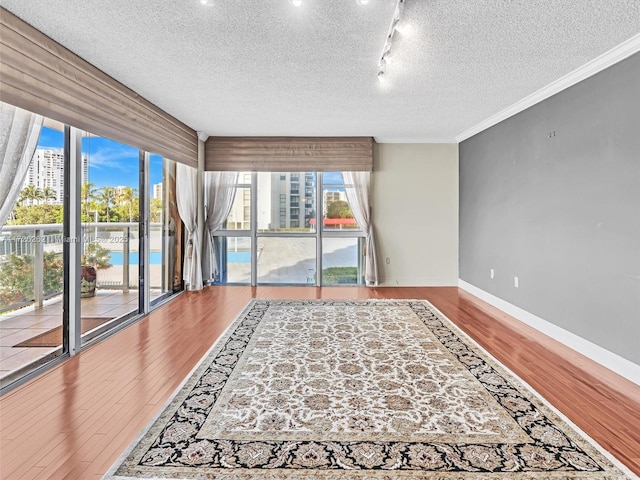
(357, 389)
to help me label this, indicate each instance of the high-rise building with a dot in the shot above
(332, 196)
(285, 200)
(46, 171)
(119, 190)
(157, 190)
(240, 215)
(292, 199)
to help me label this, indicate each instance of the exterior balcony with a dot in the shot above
(31, 288)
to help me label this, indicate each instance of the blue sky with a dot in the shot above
(332, 178)
(111, 164)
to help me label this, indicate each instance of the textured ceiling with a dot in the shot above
(265, 67)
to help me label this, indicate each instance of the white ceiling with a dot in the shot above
(265, 67)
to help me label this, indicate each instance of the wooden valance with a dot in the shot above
(289, 154)
(40, 75)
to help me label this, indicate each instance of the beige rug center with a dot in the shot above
(357, 373)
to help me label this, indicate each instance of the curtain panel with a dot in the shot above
(40, 75)
(289, 154)
(186, 198)
(219, 193)
(358, 192)
(19, 133)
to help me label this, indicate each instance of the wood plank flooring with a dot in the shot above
(74, 421)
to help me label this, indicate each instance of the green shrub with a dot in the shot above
(17, 278)
(96, 255)
(340, 275)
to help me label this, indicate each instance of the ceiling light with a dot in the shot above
(382, 65)
(362, 2)
(386, 50)
(296, 3)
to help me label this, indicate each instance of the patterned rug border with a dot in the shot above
(110, 474)
(167, 410)
(608, 455)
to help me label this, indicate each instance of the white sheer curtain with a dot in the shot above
(358, 191)
(219, 193)
(186, 197)
(19, 133)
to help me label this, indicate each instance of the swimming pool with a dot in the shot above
(116, 258)
(239, 257)
(155, 258)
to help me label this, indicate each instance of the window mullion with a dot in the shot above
(254, 228)
(319, 207)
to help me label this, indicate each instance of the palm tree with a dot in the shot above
(49, 193)
(88, 197)
(107, 196)
(31, 194)
(127, 197)
(88, 192)
(155, 210)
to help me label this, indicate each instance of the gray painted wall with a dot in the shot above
(562, 212)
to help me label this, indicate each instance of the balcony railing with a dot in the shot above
(31, 259)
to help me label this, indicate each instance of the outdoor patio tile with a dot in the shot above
(23, 356)
(19, 335)
(30, 321)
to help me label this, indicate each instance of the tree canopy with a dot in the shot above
(339, 209)
(101, 204)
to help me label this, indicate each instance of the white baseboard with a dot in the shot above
(610, 360)
(419, 282)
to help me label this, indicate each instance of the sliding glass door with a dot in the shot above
(110, 248)
(165, 230)
(93, 240)
(31, 245)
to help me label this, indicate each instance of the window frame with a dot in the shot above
(318, 233)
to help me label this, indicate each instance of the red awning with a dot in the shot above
(329, 222)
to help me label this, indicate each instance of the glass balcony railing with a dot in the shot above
(31, 267)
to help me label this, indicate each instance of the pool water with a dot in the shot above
(116, 258)
(155, 258)
(238, 257)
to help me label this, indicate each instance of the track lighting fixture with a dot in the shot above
(297, 3)
(386, 49)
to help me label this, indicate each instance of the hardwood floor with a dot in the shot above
(74, 421)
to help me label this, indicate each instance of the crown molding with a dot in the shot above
(415, 140)
(202, 136)
(607, 59)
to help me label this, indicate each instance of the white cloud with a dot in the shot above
(123, 158)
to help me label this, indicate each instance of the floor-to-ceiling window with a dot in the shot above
(286, 239)
(293, 228)
(31, 264)
(165, 230)
(83, 195)
(342, 237)
(110, 248)
(233, 243)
